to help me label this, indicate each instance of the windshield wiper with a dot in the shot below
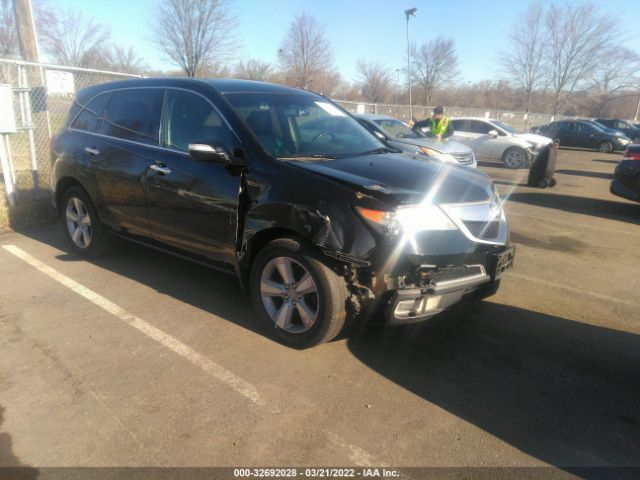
(377, 151)
(309, 155)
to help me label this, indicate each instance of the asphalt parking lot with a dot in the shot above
(143, 359)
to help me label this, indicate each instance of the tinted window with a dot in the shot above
(459, 125)
(135, 115)
(565, 127)
(476, 126)
(90, 119)
(585, 128)
(189, 118)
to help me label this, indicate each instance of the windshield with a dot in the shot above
(302, 125)
(397, 128)
(506, 127)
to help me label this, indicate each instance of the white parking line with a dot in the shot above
(225, 376)
(579, 291)
(356, 454)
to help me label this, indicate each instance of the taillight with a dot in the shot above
(631, 155)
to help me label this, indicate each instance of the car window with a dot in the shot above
(302, 125)
(622, 125)
(565, 127)
(189, 118)
(396, 128)
(134, 114)
(585, 128)
(476, 126)
(90, 118)
(459, 125)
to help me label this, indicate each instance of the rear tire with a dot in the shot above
(81, 224)
(301, 300)
(605, 147)
(515, 157)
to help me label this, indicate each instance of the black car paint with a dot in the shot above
(574, 138)
(222, 214)
(627, 128)
(626, 176)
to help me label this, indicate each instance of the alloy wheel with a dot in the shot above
(515, 158)
(289, 294)
(78, 223)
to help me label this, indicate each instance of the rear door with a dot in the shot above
(586, 136)
(131, 139)
(565, 132)
(193, 204)
(461, 132)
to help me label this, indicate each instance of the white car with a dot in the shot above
(495, 140)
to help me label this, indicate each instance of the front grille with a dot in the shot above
(483, 230)
(463, 158)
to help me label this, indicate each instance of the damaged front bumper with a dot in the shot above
(442, 287)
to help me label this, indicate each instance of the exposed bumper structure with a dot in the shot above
(446, 287)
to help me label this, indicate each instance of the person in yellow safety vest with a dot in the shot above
(439, 125)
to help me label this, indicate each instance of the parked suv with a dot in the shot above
(495, 140)
(321, 225)
(584, 134)
(626, 128)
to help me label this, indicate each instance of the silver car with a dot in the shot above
(493, 140)
(401, 136)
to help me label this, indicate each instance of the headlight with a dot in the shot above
(409, 220)
(624, 141)
(443, 157)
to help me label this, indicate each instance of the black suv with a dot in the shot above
(584, 134)
(627, 128)
(321, 223)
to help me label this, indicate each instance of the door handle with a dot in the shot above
(160, 169)
(92, 151)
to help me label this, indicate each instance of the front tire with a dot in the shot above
(605, 147)
(82, 227)
(515, 157)
(296, 296)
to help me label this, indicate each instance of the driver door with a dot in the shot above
(192, 205)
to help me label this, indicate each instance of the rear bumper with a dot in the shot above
(416, 303)
(621, 190)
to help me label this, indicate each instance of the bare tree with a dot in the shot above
(435, 64)
(126, 60)
(195, 34)
(8, 33)
(524, 60)
(305, 53)
(253, 69)
(376, 81)
(70, 38)
(618, 73)
(580, 36)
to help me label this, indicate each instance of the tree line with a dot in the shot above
(559, 58)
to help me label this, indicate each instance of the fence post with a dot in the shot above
(28, 124)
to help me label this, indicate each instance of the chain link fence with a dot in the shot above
(521, 120)
(41, 95)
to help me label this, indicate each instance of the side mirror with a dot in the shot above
(379, 135)
(204, 152)
(493, 133)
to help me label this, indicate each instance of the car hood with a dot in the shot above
(537, 140)
(401, 179)
(443, 146)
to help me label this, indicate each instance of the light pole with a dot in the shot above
(408, 13)
(397, 88)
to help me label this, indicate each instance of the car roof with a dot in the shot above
(475, 118)
(221, 85)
